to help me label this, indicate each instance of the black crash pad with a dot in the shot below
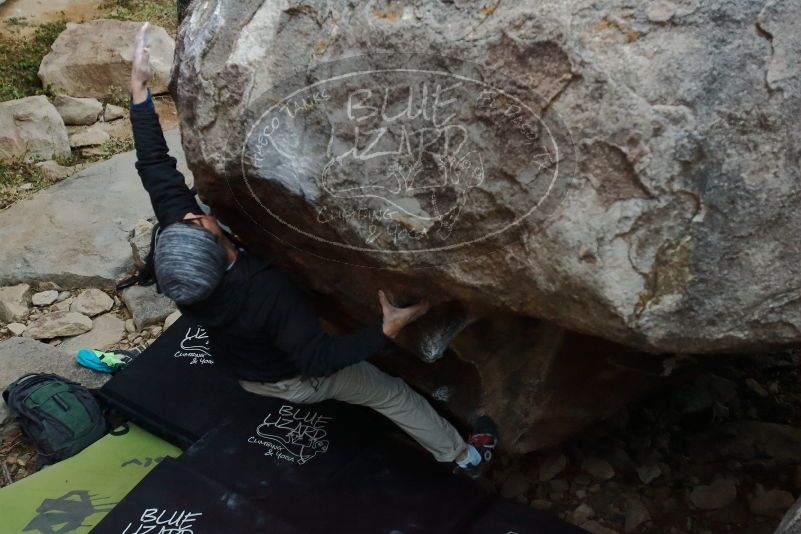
(177, 500)
(327, 467)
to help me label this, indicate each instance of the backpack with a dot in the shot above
(58, 416)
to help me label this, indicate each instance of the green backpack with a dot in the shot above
(57, 415)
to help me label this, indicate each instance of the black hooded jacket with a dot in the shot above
(261, 327)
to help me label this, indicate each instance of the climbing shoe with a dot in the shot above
(483, 441)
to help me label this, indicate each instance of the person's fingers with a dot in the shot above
(382, 298)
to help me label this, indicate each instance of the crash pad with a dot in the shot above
(325, 467)
(177, 500)
(174, 388)
(71, 496)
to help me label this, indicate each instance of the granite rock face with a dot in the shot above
(621, 169)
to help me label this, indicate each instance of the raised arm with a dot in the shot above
(169, 195)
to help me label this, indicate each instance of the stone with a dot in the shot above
(31, 128)
(55, 171)
(147, 307)
(15, 302)
(515, 485)
(16, 328)
(44, 298)
(93, 59)
(771, 503)
(625, 240)
(112, 113)
(582, 513)
(59, 324)
(660, 11)
(649, 473)
(63, 295)
(140, 241)
(552, 466)
(63, 305)
(21, 355)
(756, 387)
(598, 467)
(541, 504)
(129, 326)
(92, 302)
(92, 212)
(107, 330)
(636, 515)
(171, 318)
(719, 494)
(78, 111)
(89, 137)
(750, 441)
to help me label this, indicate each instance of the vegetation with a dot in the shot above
(159, 12)
(20, 59)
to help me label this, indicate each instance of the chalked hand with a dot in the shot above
(140, 68)
(396, 318)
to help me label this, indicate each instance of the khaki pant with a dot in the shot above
(366, 385)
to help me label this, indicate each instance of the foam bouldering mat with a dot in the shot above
(326, 467)
(338, 460)
(177, 500)
(174, 388)
(73, 495)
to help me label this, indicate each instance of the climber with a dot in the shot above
(262, 328)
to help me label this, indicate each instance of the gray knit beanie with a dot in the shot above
(189, 262)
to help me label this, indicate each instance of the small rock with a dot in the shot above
(14, 302)
(541, 504)
(598, 468)
(24, 355)
(59, 324)
(581, 494)
(64, 305)
(596, 528)
(44, 298)
(129, 326)
(16, 328)
(771, 503)
(582, 513)
(171, 318)
(112, 113)
(649, 473)
(636, 514)
(552, 466)
(516, 484)
(147, 306)
(660, 11)
(107, 330)
(140, 241)
(62, 296)
(756, 387)
(90, 137)
(78, 111)
(559, 485)
(53, 170)
(92, 302)
(719, 494)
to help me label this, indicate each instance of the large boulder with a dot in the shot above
(32, 128)
(621, 169)
(93, 59)
(75, 233)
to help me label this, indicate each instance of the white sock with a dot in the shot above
(472, 457)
